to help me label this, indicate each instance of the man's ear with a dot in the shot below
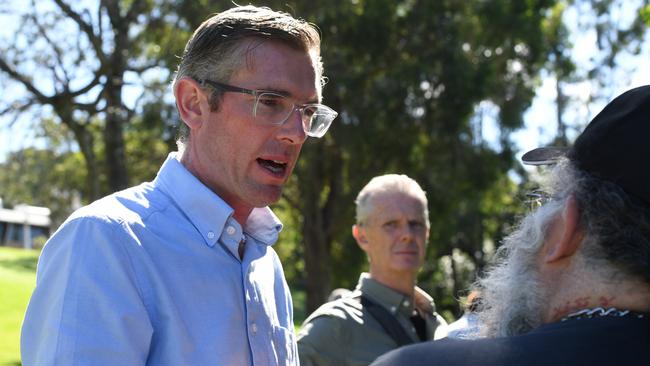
(359, 235)
(191, 102)
(568, 234)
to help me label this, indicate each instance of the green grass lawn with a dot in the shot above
(17, 281)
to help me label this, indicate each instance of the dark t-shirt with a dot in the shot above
(595, 341)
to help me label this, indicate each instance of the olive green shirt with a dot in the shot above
(343, 332)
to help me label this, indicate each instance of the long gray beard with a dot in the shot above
(512, 299)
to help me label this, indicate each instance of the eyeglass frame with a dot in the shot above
(257, 92)
(537, 198)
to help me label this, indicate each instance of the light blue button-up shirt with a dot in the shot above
(151, 276)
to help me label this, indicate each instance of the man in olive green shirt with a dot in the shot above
(387, 309)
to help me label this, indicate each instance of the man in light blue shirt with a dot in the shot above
(180, 271)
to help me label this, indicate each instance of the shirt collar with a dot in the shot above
(423, 301)
(262, 225)
(390, 299)
(206, 210)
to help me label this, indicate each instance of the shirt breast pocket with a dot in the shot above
(284, 346)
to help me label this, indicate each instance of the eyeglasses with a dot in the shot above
(537, 199)
(273, 108)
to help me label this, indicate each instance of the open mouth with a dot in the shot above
(407, 252)
(276, 168)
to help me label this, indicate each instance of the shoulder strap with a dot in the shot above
(387, 321)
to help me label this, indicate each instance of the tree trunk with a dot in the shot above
(317, 258)
(92, 175)
(315, 234)
(561, 102)
(116, 113)
(118, 177)
(84, 138)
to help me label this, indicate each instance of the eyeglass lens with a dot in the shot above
(271, 108)
(536, 199)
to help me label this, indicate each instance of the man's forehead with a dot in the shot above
(388, 197)
(393, 204)
(278, 66)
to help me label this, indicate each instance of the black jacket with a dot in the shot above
(589, 342)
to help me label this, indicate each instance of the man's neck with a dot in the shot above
(403, 283)
(572, 285)
(241, 209)
(241, 217)
(572, 304)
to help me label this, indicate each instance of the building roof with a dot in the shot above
(32, 215)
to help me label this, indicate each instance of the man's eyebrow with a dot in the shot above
(286, 93)
(387, 220)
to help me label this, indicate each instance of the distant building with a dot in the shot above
(24, 226)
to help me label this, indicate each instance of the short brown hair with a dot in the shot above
(214, 50)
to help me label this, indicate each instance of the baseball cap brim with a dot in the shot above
(544, 155)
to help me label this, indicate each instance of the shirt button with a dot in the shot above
(392, 308)
(230, 230)
(210, 235)
(254, 327)
(406, 303)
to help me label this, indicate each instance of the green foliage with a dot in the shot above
(17, 281)
(145, 149)
(645, 14)
(415, 83)
(42, 177)
(407, 77)
(620, 28)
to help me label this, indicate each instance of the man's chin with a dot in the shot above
(265, 195)
(407, 265)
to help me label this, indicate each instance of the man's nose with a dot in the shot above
(407, 233)
(293, 129)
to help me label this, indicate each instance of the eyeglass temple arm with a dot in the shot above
(226, 87)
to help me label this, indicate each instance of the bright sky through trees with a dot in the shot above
(540, 120)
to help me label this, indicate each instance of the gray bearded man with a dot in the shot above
(571, 286)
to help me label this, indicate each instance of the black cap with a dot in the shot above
(614, 146)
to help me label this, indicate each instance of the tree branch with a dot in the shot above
(17, 110)
(14, 74)
(137, 7)
(95, 40)
(90, 108)
(16, 107)
(113, 9)
(143, 68)
(57, 51)
(88, 86)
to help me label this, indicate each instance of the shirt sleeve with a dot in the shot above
(319, 342)
(87, 308)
